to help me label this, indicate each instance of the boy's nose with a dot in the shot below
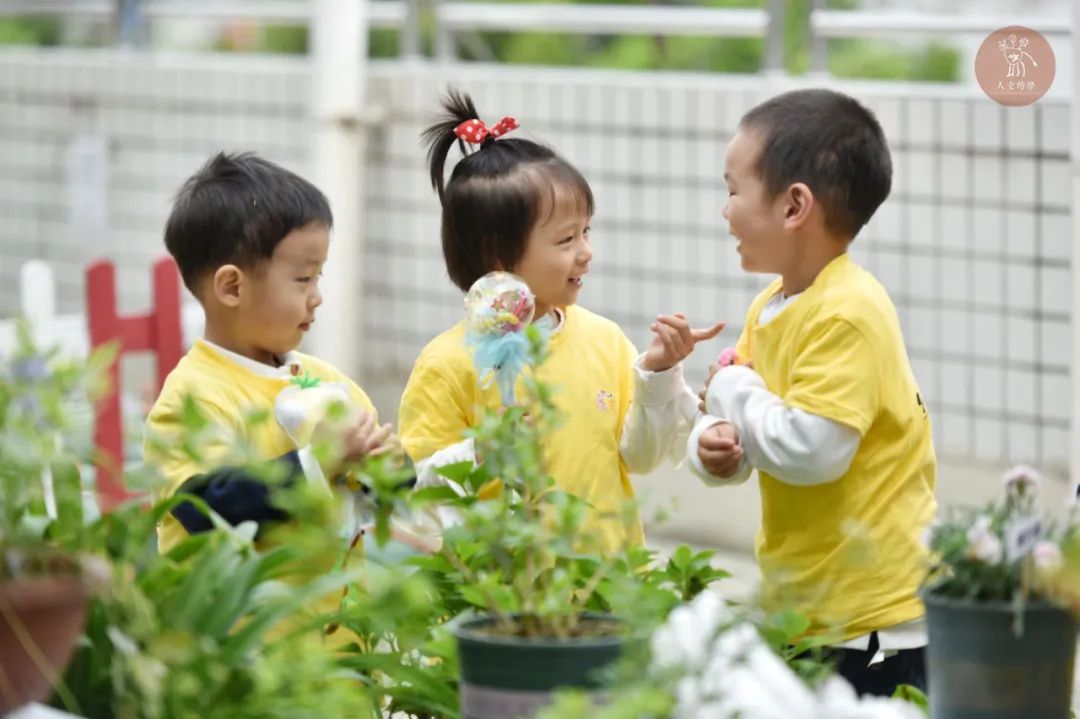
(316, 298)
(724, 212)
(586, 254)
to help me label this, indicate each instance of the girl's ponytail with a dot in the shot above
(440, 137)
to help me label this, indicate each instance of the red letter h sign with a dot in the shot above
(158, 331)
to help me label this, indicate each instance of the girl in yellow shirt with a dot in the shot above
(512, 204)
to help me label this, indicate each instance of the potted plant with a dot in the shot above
(217, 627)
(221, 625)
(44, 579)
(1001, 601)
(536, 607)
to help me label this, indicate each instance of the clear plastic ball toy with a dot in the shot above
(497, 304)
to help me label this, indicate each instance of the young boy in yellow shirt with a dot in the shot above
(822, 400)
(250, 239)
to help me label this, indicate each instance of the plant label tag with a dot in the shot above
(1021, 536)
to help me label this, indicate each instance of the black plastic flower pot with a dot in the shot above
(978, 668)
(511, 677)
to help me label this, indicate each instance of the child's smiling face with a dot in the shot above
(755, 220)
(557, 254)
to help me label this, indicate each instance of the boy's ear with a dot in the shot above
(799, 202)
(227, 284)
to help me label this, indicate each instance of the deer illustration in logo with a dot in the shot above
(1015, 53)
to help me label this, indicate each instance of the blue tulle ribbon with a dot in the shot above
(500, 359)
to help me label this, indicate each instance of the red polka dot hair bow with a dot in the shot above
(475, 132)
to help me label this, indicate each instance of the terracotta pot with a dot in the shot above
(41, 618)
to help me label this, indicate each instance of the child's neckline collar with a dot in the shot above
(290, 361)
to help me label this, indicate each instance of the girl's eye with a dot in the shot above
(566, 240)
(587, 231)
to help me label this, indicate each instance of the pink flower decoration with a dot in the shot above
(728, 357)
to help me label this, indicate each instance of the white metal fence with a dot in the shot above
(974, 244)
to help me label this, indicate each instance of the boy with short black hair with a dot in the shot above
(821, 399)
(250, 239)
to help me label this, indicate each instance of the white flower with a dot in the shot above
(1021, 477)
(875, 708)
(749, 680)
(689, 632)
(984, 544)
(1047, 556)
(738, 675)
(837, 700)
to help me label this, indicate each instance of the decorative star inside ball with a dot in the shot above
(498, 308)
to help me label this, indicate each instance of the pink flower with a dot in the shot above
(1047, 556)
(1021, 477)
(727, 357)
(984, 544)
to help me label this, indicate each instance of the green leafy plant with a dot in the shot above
(523, 553)
(217, 627)
(213, 628)
(520, 554)
(43, 396)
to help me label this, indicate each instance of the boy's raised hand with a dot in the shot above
(719, 450)
(674, 341)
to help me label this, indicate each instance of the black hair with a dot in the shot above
(236, 209)
(495, 194)
(830, 142)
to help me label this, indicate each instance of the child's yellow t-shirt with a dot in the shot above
(227, 394)
(590, 367)
(848, 553)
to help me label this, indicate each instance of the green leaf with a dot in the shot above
(458, 471)
(191, 417)
(913, 695)
(785, 627)
(306, 381)
(67, 488)
(682, 557)
(188, 547)
(394, 666)
(246, 638)
(474, 596)
(434, 495)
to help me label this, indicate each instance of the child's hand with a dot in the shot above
(365, 438)
(727, 358)
(719, 450)
(674, 341)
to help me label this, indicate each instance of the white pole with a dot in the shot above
(37, 291)
(1074, 433)
(339, 30)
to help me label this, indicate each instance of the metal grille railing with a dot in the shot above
(974, 244)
